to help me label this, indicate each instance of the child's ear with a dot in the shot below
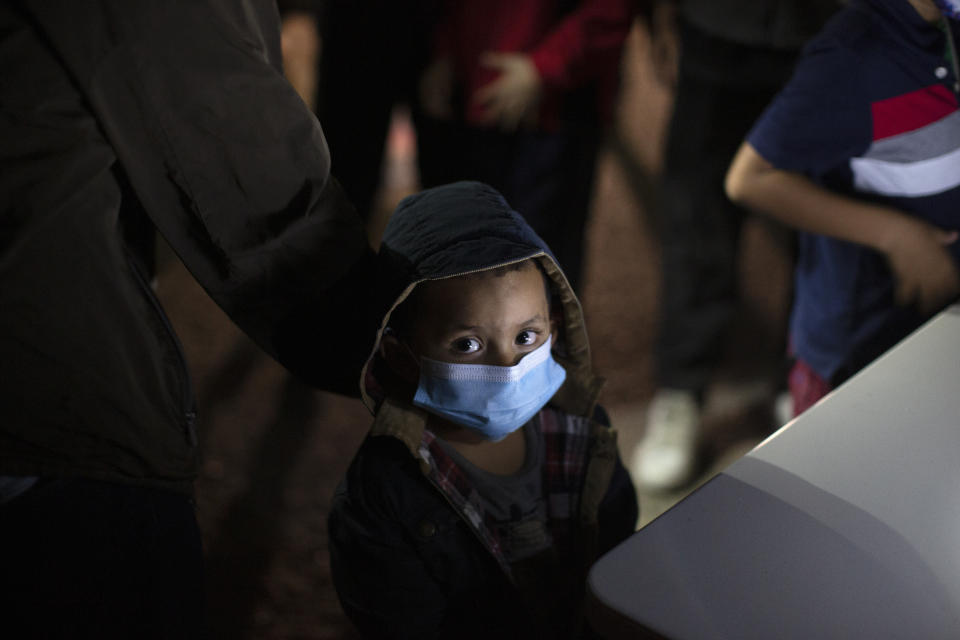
(399, 358)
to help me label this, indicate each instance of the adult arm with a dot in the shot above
(923, 269)
(229, 164)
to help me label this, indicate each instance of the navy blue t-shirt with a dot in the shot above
(871, 112)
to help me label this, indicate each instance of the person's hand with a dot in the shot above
(924, 272)
(436, 89)
(514, 97)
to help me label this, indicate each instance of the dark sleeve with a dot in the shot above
(620, 508)
(230, 166)
(821, 118)
(383, 584)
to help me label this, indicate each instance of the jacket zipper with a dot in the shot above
(188, 410)
(463, 517)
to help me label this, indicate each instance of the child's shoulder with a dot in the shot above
(856, 34)
(383, 455)
(382, 462)
(386, 482)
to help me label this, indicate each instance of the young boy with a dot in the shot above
(862, 151)
(489, 481)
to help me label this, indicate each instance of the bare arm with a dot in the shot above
(923, 270)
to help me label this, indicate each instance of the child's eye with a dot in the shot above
(526, 337)
(466, 345)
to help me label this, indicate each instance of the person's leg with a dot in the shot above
(806, 387)
(700, 230)
(83, 558)
(443, 151)
(553, 181)
(699, 233)
(372, 54)
(548, 178)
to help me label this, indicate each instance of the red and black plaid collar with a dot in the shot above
(566, 441)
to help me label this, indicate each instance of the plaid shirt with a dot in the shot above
(566, 441)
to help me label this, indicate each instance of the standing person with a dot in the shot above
(490, 480)
(120, 118)
(373, 54)
(861, 152)
(734, 56)
(514, 96)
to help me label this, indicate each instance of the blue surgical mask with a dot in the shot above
(496, 401)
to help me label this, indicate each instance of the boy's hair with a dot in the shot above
(405, 314)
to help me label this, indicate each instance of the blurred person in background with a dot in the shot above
(727, 58)
(354, 63)
(514, 95)
(861, 153)
(122, 119)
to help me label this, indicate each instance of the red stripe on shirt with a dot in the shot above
(912, 111)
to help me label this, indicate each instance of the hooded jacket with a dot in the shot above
(118, 118)
(411, 552)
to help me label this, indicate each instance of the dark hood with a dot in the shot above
(463, 228)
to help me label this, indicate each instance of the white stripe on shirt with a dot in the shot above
(907, 179)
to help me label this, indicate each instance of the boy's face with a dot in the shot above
(493, 319)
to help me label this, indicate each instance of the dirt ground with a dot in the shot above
(273, 450)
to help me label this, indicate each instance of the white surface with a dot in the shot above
(845, 523)
(889, 443)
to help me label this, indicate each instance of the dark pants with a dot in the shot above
(373, 53)
(546, 176)
(89, 559)
(722, 89)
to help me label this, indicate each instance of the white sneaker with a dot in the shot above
(783, 408)
(666, 456)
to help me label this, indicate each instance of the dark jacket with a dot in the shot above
(118, 117)
(767, 24)
(411, 554)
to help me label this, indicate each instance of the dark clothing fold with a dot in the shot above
(119, 117)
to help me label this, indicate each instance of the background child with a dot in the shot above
(862, 151)
(489, 482)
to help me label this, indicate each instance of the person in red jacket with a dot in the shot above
(514, 96)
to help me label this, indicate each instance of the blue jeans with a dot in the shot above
(87, 558)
